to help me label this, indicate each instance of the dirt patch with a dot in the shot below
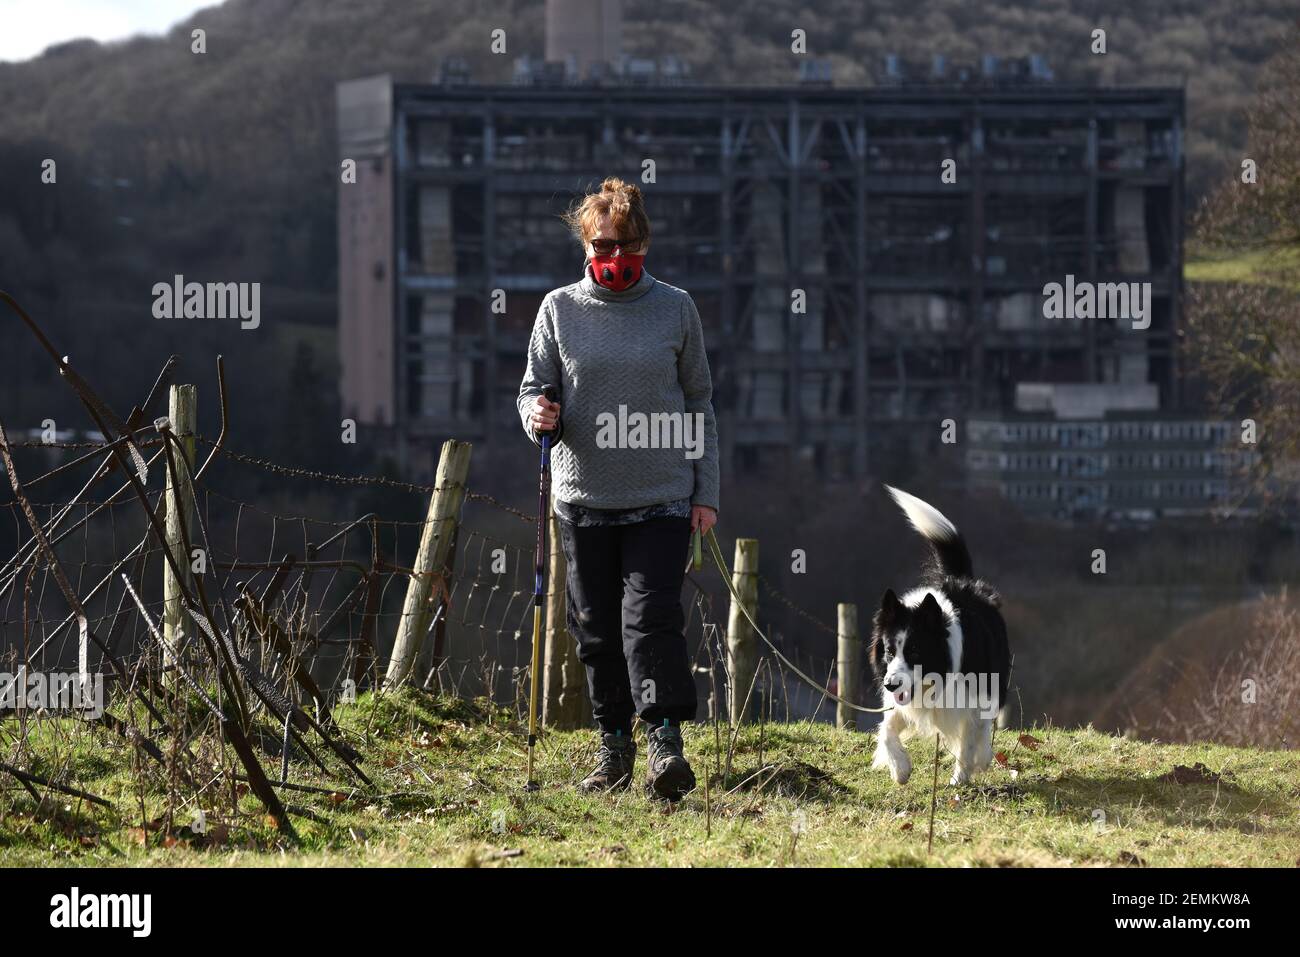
(1198, 773)
(795, 779)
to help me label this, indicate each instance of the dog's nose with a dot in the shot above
(893, 684)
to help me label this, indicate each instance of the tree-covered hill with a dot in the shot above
(224, 164)
(249, 125)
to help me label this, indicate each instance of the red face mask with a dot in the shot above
(617, 272)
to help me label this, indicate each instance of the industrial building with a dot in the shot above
(867, 262)
(1077, 450)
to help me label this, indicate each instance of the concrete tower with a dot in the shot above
(582, 32)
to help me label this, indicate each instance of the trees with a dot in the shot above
(1245, 332)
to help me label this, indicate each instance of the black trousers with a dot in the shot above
(624, 597)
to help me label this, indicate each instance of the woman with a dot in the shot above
(635, 469)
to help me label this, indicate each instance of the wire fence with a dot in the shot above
(316, 574)
(265, 616)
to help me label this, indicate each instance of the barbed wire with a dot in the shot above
(358, 480)
(298, 472)
(516, 592)
(789, 603)
(499, 629)
(88, 444)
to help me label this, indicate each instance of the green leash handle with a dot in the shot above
(697, 550)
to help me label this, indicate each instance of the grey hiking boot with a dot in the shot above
(668, 775)
(615, 759)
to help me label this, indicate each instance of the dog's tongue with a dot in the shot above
(901, 697)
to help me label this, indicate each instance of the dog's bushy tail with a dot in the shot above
(949, 547)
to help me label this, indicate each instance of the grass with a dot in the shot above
(448, 792)
(1275, 267)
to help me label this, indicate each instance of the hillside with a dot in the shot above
(264, 90)
(223, 164)
(448, 779)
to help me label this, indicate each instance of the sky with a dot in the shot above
(29, 26)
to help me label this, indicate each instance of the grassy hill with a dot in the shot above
(1267, 266)
(448, 792)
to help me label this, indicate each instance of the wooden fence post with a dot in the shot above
(565, 706)
(742, 643)
(435, 547)
(847, 663)
(434, 653)
(182, 410)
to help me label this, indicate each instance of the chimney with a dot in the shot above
(580, 33)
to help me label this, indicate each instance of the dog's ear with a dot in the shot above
(882, 623)
(930, 612)
(876, 650)
(876, 653)
(887, 613)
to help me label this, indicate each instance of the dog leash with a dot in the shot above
(716, 552)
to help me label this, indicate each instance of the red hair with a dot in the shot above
(622, 202)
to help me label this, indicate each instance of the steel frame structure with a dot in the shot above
(761, 192)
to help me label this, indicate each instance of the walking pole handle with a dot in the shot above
(552, 394)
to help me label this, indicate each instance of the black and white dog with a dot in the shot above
(941, 654)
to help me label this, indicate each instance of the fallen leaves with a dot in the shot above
(1027, 741)
(215, 834)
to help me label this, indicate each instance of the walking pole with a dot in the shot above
(539, 590)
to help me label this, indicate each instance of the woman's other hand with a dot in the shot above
(545, 414)
(703, 518)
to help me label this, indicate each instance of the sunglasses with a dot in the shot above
(603, 247)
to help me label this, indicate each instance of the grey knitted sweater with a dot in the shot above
(635, 394)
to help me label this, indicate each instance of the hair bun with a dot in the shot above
(614, 184)
(623, 202)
